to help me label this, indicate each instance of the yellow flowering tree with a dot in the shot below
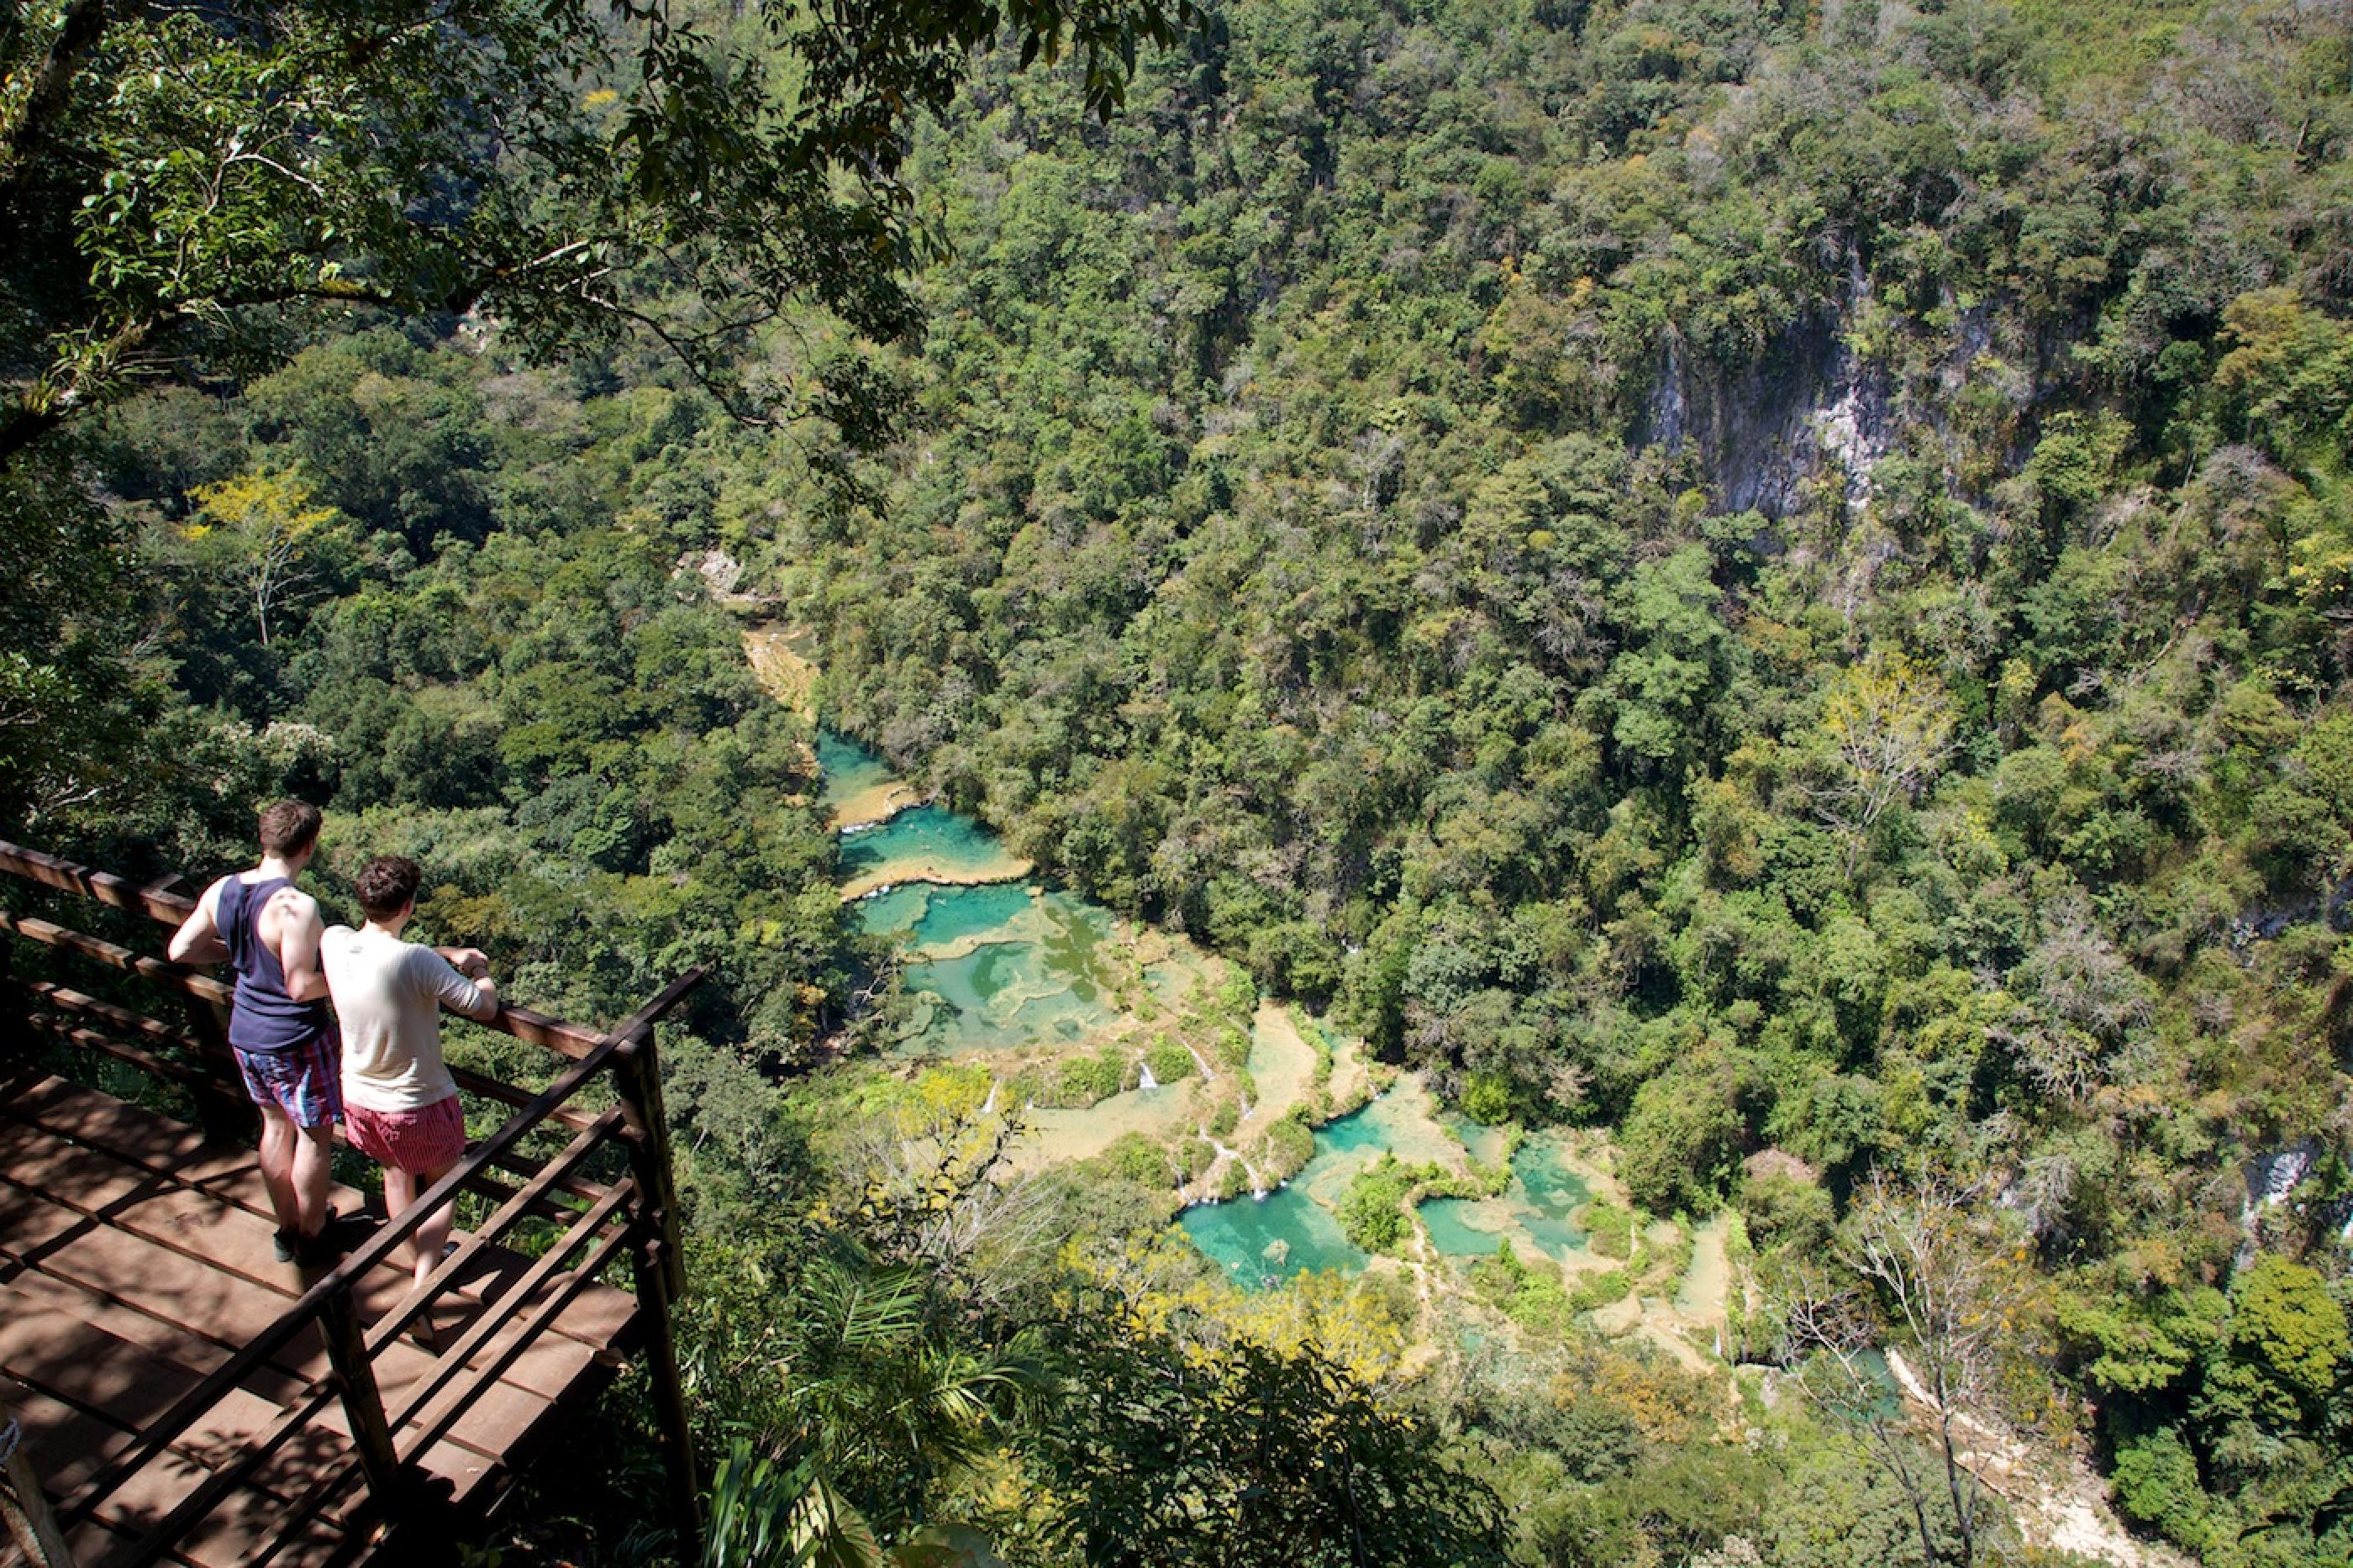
(260, 531)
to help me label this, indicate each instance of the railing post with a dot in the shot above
(339, 1321)
(637, 1078)
(226, 1117)
(24, 1504)
(660, 1270)
(685, 1484)
(15, 1017)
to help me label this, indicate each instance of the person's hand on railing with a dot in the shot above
(471, 962)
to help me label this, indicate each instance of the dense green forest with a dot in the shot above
(1768, 579)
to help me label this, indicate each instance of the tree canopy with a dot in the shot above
(176, 180)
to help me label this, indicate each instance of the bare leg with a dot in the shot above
(431, 1235)
(278, 1140)
(313, 1147)
(402, 1189)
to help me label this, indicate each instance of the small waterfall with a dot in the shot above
(1147, 1080)
(988, 1105)
(2269, 1179)
(1246, 1109)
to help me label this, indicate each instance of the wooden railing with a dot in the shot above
(597, 1222)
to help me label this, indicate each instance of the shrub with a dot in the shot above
(1600, 1290)
(1487, 1098)
(1372, 1213)
(1132, 1157)
(1289, 1146)
(1782, 1212)
(2157, 1484)
(1610, 1230)
(1681, 1143)
(1169, 1061)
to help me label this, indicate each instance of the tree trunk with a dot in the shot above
(77, 36)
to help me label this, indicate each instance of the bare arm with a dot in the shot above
(198, 939)
(298, 931)
(471, 996)
(488, 990)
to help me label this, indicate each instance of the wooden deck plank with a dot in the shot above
(228, 1537)
(153, 1142)
(119, 1381)
(85, 1393)
(135, 1259)
(93, 1545)
(134, 1274)
(142, 1140)
(136, 1271)
(94, 1117)
(66, 1444)
(43, 1293)
(208, 1228)
(30, 1224)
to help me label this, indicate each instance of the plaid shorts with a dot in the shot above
(305, 1081)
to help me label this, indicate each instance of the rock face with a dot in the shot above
(1767, 431)
(1810, 411)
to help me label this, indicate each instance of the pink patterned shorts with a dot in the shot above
(426, 1139)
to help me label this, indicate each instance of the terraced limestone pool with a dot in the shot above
(859, 787)
(994, 960)
(924, 844)
(1292, 1229)
(1535, 1211)
(999, 965)
(1261, 1240)
(1265, 1240)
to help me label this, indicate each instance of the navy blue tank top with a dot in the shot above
(261, 1017)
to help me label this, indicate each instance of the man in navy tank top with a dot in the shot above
(285, 1039)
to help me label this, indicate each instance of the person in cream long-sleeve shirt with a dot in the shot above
(400, 1104)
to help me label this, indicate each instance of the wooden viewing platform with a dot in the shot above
(179, 1396)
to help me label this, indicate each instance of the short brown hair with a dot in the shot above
(387, 884)
(289, 826)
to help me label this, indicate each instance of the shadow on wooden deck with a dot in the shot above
(184, 1397)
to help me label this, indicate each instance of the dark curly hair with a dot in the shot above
(387, 884)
